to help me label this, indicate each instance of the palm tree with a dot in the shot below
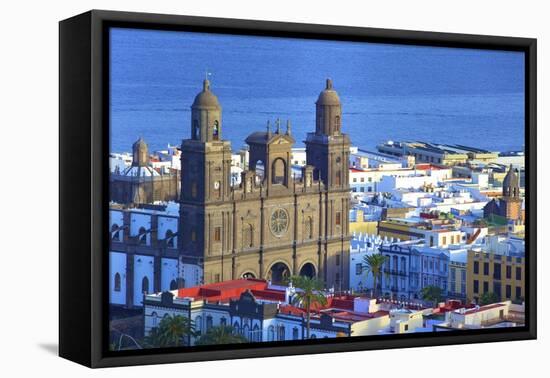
(221, 335)
(310, 293)
(373, 265)
(153, 340)
(172, 331)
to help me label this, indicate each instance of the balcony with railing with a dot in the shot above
(395, 272)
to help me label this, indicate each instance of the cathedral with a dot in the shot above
(273, 224)
(140, 183)
(509, 206)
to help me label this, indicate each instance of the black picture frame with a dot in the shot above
(83, 196)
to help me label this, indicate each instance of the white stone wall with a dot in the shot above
(192, 274)
(116, 217)
(143, 267)
(138, 220)
(165, 224)
(169, 272)
(391, 183)
(117, 264)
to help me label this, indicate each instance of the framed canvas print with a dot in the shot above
(234, 188)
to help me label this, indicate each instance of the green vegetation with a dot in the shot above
(172, 331)
(310, 293)
(480, 223)
(488, 298)
(373, 265)
(496, 220)
(443, 215)
(432, 294)
(221, 335)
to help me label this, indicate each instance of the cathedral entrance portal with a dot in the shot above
(278, 273)
(308, 270)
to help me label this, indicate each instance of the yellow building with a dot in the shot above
(496, 272)
(402, 229)
(358, 224)
(457, 275)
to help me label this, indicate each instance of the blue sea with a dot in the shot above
(388, 92)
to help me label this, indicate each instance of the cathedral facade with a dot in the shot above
(273, 224)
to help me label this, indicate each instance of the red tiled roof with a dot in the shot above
(291, 310)
(269, 294)
(341, 302)
(223, 291)
(450, 305)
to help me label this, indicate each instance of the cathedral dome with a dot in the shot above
(511, 179)
(140, 153)
(206, 99)
(328, 96)
(139, 144)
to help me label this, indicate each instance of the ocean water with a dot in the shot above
(388, 92)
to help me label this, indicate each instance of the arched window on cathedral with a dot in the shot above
(337, 125)
(308, 228)
(117, 284)
(248, 236)
(142, 236)
(279, 171)
(173, 285)
(170, 239)
(216, 131)
(145, 285)
(338, 178)
(259, 169)
(196, 130)
(115, 232)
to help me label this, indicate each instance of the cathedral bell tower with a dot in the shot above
(328, 148)
(510, 184)
(511, 200)
(205, 158)
(206, 115)
(205, 177)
